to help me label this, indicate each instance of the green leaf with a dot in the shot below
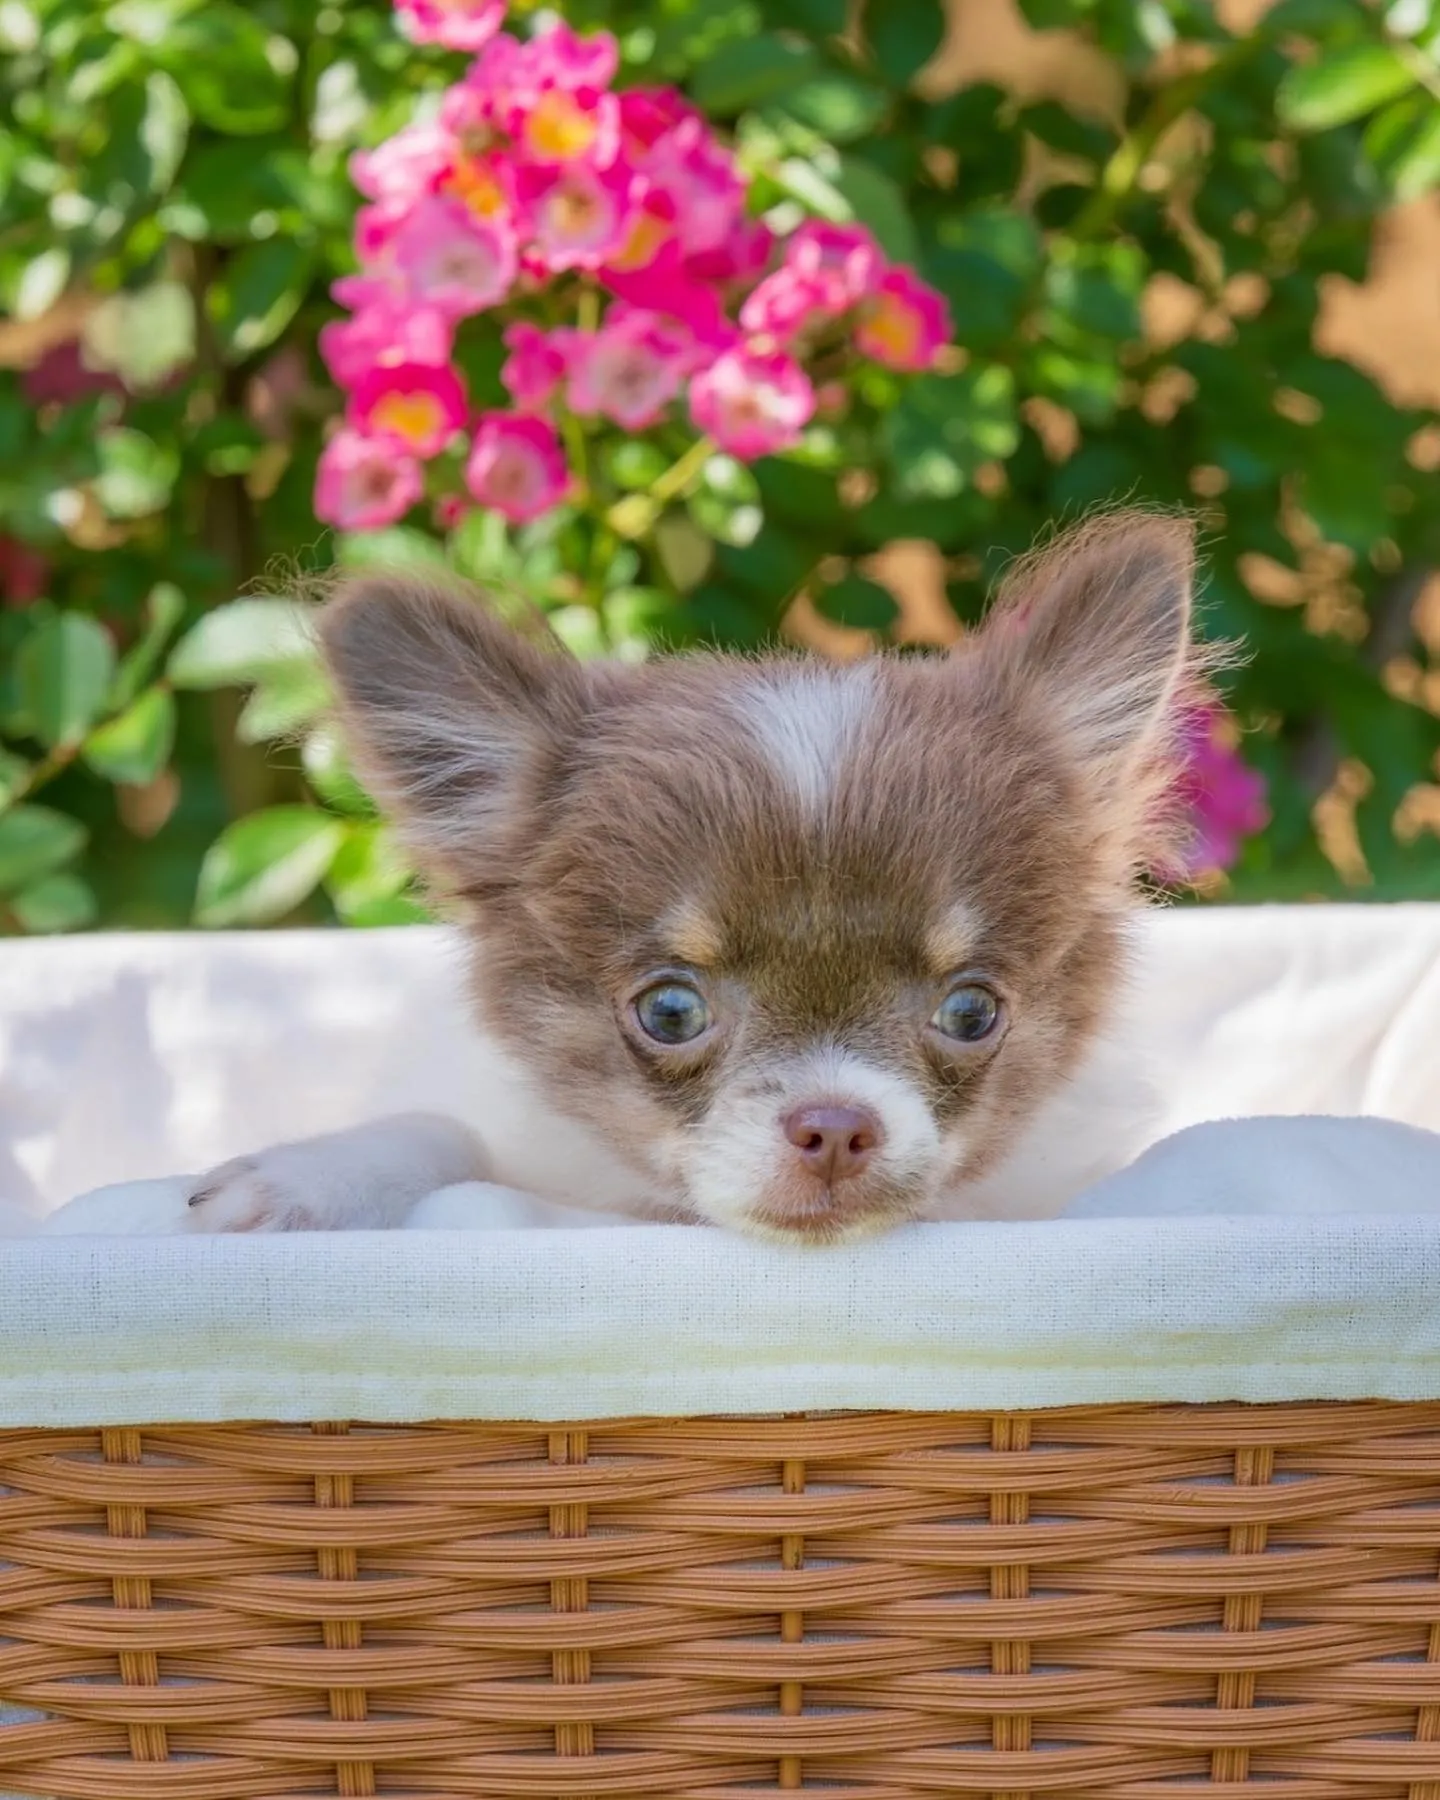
(264, 865)
(1344, 84)
(1403, 143)
(135, 747)
(903, 36)
(241, 643)
(284, 699)
(859, 603)
(64, 669)
(879, 203)
(258, 295)
(327, 769)
(148, 125)
(395, 547)
(34, 841)
(840, 106)
(1093, 291)
(947, 426)
(636, 464)
(795, 494)
(717, 615)
(40, 283)
(816, 18)
(1088, 384)
(230, 69)
(224, 186)
(746, 72)
(400, 909)
(164, 606)
(55, 903)
(136, 473)
(14, 773)
(1056, 15)
(147, 21)
(771, 568)
(637, 619)
(1066, 132)
(683, 551)
(986, 263)
(367, 869)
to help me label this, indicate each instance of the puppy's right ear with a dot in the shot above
(453, 718)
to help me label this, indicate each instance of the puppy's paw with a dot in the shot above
(366, 1178)
(247, 1194)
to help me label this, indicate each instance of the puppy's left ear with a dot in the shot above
(1098, 630)
(455, 720)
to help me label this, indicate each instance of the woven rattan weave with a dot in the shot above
(1115, 1603)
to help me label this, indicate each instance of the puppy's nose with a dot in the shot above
(835, 1142)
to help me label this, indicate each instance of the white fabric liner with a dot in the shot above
(123, 1058)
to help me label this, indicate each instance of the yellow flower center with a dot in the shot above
(574, 212)
(647, 238)
(894, 327)
(559, 129)
(411, 417)
(476, 188)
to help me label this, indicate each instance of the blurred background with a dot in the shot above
(1191, 255)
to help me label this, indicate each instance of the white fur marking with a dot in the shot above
(807, 720)
(738, 1153)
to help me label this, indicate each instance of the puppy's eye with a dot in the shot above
(967, 1014)
(673, 1012)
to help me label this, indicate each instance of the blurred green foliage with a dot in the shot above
(181, 165)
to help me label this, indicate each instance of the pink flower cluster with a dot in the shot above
(1222, 796)
(537, 182)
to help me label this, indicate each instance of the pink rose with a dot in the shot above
(647, 114)
(535, 366)
(415, 406)
(843, 260)
(784, 304)
(451, 260)
(381, 336)
(376, 226)
(700, 177)
(630, 370)
(652, 233)
(511, 83)
(665, 285)
(581, 215)
(742, 256)
(362, 484)
(517, 466)
(360, 292)
(558, 125)
(751, 403)
(1223, 797)
(485, 186)
(405, 166)
(903, 322)
(456, 24)
(559, 57)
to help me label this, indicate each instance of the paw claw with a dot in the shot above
(237, 1197)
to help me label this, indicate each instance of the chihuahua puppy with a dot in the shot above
(812, 950)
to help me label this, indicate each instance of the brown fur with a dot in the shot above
(599, 823)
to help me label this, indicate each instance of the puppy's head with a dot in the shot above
(808, 945)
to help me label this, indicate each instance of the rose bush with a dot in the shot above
(667, 318)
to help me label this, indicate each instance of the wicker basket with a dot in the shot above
(1112, 1603)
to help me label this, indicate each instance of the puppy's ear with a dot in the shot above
(454, 719)
(1098, 627)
